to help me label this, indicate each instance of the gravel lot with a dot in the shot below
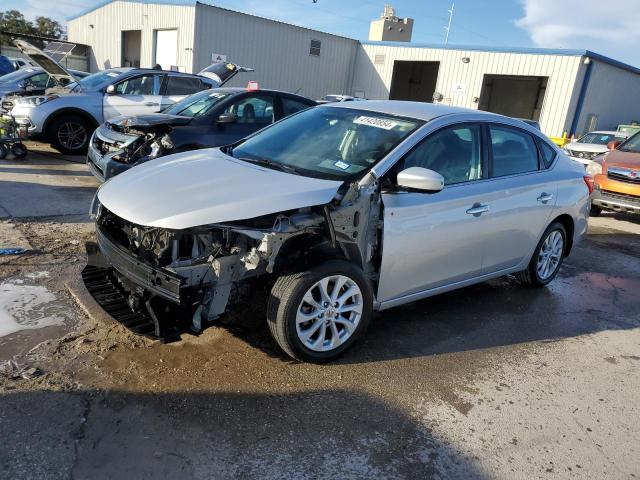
(493, 381)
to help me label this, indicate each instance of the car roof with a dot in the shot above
(237, 90)
(604, 132)
(418, 110)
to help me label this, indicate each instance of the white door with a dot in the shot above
(134, 96)
(166, 48)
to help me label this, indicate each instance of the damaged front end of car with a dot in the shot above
(161, 282)
(124, 142)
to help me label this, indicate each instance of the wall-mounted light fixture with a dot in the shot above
(437, 97)
(465, 59)
(476, 100)
(91, 25)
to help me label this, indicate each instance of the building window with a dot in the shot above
(314, 49)
(379, 59)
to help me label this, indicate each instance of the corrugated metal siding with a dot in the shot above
(278, 52)
(613, 94)
(110, 20)
(375, 80)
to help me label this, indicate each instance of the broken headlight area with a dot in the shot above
(161, 282)
(131, 145)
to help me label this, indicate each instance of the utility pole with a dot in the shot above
(448, 27)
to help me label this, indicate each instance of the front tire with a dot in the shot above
(19, 150)
(70, 134)
(547, 257)
(317, 314)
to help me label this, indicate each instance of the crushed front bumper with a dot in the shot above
(145, 299)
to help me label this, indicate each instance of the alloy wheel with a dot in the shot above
(550, 255)
(329, 313)
(72, 135)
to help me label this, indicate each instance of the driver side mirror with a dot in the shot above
(613, 144)
(422, 179)
(111, 90)
(227, 118)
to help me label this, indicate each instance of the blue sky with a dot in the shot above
(583, 24)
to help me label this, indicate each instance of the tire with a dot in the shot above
(286, 303)
(595, 211)
(64, 133)
(533, 276)
(3, 151)
(19, 150)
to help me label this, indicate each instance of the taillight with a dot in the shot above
(590, 183)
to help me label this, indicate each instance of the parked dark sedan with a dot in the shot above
(211, 118)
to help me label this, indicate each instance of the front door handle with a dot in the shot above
(478, 209)
(151, 104)
(545, 197)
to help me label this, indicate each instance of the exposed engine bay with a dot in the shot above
(210, 270)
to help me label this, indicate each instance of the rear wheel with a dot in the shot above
(317, 314)
(70, 134)
(547, 258)
(19, 150)
(595, 211)
(3, 151)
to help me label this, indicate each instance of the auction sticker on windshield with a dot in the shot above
(376, 122)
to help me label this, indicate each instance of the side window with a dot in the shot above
(548, 154)
(39, 80)
(253, 110)
(290, 106)
(454, 152)
(177, 85)
(142, 85)
(513, 151)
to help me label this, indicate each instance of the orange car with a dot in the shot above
(616, 178)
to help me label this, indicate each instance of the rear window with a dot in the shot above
(183, 85)
(548, 154)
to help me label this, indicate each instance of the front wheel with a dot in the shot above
(19, 150)
(547, 258)
(70, 134)
(317, 314)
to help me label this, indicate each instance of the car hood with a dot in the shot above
(616, 158)
(586, 147)
(205, 187)
(48, 64)
(150, 120)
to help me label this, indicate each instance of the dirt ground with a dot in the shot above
(492, 381)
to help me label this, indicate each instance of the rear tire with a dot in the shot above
(595, 211)
(19, 150)
(547, 257)
(3, 151)
(317, 314)
(70, 134)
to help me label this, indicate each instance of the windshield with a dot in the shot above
(599, 138)
(631, 145)
(198, 104)
(326, 142)
(17, 75)
(97, 79)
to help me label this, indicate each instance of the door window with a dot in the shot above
(38, 80)
(454, 152)
(257, 110)
(142, 85)
(548, 154)
(290, 106)
(177, 85)
(513, 152)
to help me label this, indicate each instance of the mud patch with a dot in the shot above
(29, 314)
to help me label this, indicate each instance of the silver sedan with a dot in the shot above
(340, 210)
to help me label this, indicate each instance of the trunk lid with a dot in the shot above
(221, 73)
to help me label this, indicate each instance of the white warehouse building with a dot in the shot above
(570, 91)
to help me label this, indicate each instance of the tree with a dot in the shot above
(13, 21)
(47, 27)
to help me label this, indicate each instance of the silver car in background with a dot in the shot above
(334, 212)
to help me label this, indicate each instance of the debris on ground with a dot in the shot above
(13, 371)
(12, 251)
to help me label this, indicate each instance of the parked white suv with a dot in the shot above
(67, 118)
(589, 146)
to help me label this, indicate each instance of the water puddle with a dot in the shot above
(29, 314)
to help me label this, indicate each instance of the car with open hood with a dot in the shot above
(206, 119)
(67, 117)
(616, 177)
(29, 81)
(591, 145)
(334, 212)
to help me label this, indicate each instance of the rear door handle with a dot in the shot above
(478, 209)
(151, 104)
(545, 197)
